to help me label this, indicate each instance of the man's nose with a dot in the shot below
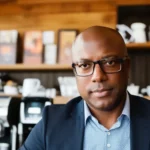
(98, 74)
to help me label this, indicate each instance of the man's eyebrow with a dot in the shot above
(109, 56)
(84, 60)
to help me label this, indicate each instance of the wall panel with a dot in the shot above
(56, 21)
(47, 16)
(15, 9)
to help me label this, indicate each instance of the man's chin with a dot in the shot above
(106, 103)
(102, 105)
(105, 108)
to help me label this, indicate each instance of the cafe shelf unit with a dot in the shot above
(64, 67)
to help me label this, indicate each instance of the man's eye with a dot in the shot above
(110, 63)
(84, 66)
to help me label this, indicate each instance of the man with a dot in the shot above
(106, 116)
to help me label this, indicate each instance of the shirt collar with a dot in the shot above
(87, 112)
(126, 109)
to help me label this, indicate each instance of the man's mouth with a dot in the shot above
(101, 92)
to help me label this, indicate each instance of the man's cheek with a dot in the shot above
(82, 85)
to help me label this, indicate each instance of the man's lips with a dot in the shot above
(101, 92)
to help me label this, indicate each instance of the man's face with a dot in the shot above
(100, 90)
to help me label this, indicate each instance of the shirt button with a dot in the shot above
(108, 145)
(108, 133)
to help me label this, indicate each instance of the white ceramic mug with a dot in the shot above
(30, 85)
(4, 146)
(123, 30)
(146, 90)
(139, 33)
(133, 89)
(12, 90)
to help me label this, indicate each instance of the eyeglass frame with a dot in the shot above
(121, 60)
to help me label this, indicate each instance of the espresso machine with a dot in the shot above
(30, 114)
(8, 132)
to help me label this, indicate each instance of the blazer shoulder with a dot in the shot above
(54, 112)
(140, 104)
(141, 100)
(60, 107)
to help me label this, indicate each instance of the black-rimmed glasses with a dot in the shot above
(108, 65)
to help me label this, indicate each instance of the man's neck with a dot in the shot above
(108, 118)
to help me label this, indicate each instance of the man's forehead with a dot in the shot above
(99, 32)
(93, 38)
(93, 42)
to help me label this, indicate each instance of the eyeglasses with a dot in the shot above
(108, 65)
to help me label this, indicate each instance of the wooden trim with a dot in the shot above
(61, 100)
(113, 2)
(60, 1)
(147, 97)
(132, 2)
(64, 100)
(138, 45)
(23, 67)
(8, 95)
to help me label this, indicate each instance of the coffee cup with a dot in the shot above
(146, 90)
(30, 85)
(139, 33)
(12, 90)
(133, 89)
(4, 146)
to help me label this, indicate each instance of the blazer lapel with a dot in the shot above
(140, 125)
(70, 131)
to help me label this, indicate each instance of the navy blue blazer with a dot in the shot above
(62, 127)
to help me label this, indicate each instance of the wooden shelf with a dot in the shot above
(33, 67)
(8, 95)
(138, 45)
(61, 100)
(56, 100)
(64, 100)
(147, 97)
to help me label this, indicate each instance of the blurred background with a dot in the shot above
(35, 44)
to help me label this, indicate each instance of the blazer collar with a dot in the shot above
(70, 128)
(140, 124)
